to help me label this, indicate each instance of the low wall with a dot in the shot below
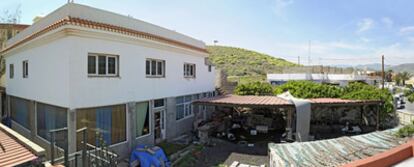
(405, 118)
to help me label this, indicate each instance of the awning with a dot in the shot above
(245, 101)
(13, 152)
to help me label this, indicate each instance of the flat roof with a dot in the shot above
(249, 101)
(342, 101)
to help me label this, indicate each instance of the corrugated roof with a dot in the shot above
(245, 101)
(340, 101)
(12, 153)
(332, 152)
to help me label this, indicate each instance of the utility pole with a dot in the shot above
(298, 60)
(383, 73)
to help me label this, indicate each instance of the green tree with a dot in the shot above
(405, 76)
(254, 88)
(309, 89)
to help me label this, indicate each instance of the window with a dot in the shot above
(20, 111)
(102, 65)
(189, 70)
(142, 116)
(49, 118)
(209, 68)
(11, 71)
(25, 69)
(159, 103)
(109, 121)
(183, 107)
(155, 68)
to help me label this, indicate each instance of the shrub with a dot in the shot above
(309, 89)
(406, 131)
(254, 88)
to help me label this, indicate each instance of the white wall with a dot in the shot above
(132, 85)
(48, 79)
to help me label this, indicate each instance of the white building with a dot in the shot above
(85, 67)
(336, 79)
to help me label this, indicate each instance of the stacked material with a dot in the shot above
(332, 152)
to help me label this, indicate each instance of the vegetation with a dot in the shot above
(406, 131)
(401, 77)
(410, 98)
(254, 88)
(242, 62)
(309, 89)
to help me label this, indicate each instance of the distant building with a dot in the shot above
(8, 31)
(335, 79)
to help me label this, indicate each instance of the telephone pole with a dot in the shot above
(383, 72)
(298, 60)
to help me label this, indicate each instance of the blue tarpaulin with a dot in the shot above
(148, 156)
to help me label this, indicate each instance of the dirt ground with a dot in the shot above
(225, 152)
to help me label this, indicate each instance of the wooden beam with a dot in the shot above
(378, 117)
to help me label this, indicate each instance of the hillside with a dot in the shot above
(243, 62)
(409, 67)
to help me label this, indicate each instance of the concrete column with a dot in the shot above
(71, 124)
(170, 122)
(131, 127)
(32, 119)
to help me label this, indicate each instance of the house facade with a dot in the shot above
(84, 67)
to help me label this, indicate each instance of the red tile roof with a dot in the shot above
(12, 153)
(104, 27)
(245, 101)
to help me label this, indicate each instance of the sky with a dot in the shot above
(317, 32)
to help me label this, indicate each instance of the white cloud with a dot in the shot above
(365, 25)
(407, 30)
(388, 22)
(280, 5)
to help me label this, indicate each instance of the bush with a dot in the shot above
(406, 131)
(254, 88)
(410, 98)
(309, 89)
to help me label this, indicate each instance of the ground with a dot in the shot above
(225, 152)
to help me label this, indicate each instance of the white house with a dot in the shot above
(85, 67)
(337, 79)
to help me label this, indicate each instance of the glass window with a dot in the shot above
(11, 71)
(142, 117)
(20, 111)
(155, 68)
(183, 106)
(109, 122)
(147, 67)
(209, 68)
(102, 65)
(91, 64)
(25, 69)
(189, 70)
(49, 118)
(159, 103)
(111, 65)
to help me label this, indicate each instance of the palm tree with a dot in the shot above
(405, 76)
(397, 78)
(388, 75)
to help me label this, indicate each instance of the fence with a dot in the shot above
(405, 118)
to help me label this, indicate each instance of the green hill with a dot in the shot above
(243, 62)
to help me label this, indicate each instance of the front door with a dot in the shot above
(159, 125)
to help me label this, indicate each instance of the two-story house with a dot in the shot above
(84, 67)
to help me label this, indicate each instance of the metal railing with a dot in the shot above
(89, 156)
(405, 118)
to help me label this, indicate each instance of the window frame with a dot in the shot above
(107, 56)
(11, 71)
(156, 73)
(158, 107)
(187, 107)
(187, 70)
(25, 71)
